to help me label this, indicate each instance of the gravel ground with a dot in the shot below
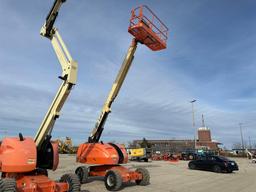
(174, 177)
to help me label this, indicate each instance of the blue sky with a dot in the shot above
(210, 57)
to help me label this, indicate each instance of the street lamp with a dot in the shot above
(242, 137)
(193, 118)
(250, 144)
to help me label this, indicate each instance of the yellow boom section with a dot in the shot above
(99, 126)
(69, 74)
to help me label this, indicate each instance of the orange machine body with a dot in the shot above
(105, 157)
(18, 159)
(55, 148)
(36, 183)
(104, 154)
(17, 156)
(126, 174)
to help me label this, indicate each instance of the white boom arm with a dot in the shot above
(69, 74)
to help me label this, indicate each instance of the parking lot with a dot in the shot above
(174, 177)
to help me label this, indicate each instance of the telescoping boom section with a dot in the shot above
(147, 29)
(69, 77)
(99, 126)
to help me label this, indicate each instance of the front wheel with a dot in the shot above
(192, 166)
(7, 185)
(113, 180)
(217, 169)
(145, 177)
(73, 182)
(82, 173)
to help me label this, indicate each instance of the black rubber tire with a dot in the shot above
(145, 177)
(7, 185)
(113, 180)
(73, 182)
(217, 169)
(82, 173)
(191, 166)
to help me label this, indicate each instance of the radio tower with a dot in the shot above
(203, 124)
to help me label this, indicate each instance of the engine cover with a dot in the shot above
(99, 153)
(17, 155)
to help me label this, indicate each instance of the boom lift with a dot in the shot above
(24, 161)
(106, 158)
(251, 155)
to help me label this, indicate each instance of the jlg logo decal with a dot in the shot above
(31, 161)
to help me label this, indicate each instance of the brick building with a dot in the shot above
(204, 141)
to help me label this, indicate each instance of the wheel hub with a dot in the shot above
(111, 180)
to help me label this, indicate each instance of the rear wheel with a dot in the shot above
(145, 177)
(113, 180)
(217, 169)
(192, 166)
(7, 185)
(82, 173)
(73, 182)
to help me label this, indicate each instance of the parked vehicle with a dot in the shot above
(139, 154)
(217, 164)
(188, 155)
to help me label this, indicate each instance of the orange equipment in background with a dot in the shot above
(66, 146)
(107, 157)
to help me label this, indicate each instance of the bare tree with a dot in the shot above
(237, 145)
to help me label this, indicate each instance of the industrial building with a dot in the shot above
(204, 141)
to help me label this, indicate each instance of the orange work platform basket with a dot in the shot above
(148, 29)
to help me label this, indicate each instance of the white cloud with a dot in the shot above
(154, 100)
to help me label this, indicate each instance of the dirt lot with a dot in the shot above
(175, 177)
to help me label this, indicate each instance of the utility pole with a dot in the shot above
(242, 138)
(250, 144)
(193, 119)
(203, 124)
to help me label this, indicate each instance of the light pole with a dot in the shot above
(193, 119)
(250, 144)
(242, 138)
